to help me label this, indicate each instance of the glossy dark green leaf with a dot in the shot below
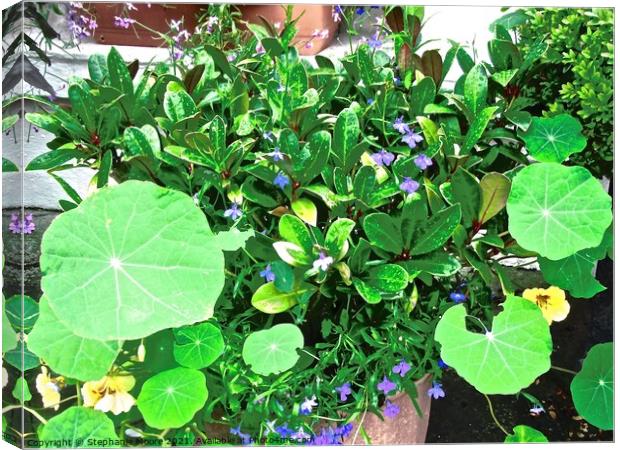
(466, 191)
(436, 230)
(476, 89)
(383, 232)
(480, 123)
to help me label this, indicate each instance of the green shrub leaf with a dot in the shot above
(494, 190)
(436, 230)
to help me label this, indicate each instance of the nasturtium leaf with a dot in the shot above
(21, 391)
(494, 188)
(68, 354)
(383, 232)
(233, 239)
(370, 294)
(270, 300)
(556, 210)
(593, 387)
(573, 273)
(9, 336)
(388, 278)
(79, 427)
(198, 346)
(553, 139)
(140, 265)
(506, 358)
(171, 398)
(306, 210)
(274, 350)
(439, 263)
(178, 104)
(434, 232)
(336, 239)
(523, 433)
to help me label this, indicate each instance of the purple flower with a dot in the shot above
(336, 12)
(260, 49)
(374, 42)
(306, 406)
(397, 81)
(409, 185)
(284, 431)
(268, 274)
(177, 53)
(386, 385)
(277, 155)
(442, 365)
(123, 22)
(537, 410)
(326, 436)
(281, 180)
(15, 226)
(400, 126)
(344, 430)
(231, 57)
(300, 435)
(29, 225)
(383, 158)
(176, 24)
(436, 391)
(268, 135)
(344, 391)
(401, 368)
(233, 212)
(323, 262)
(412, 139)
(422, 161)
(360, 10)
(391, 410)
(458, 297)
(245, 438)
(182, 36)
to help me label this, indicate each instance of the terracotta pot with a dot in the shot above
(407, 428)
(157, 17)
(315, 17)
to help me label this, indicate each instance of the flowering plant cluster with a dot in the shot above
(276, 246)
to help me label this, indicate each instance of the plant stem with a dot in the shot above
(38, 416)
(562, 369)
(499, 425)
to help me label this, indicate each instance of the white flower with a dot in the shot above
(323, 262)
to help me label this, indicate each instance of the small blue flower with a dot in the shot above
(374, 42)
(326, 436)
(391, 410)
(400, 126)
(306, 406)
(386, 385)
(233, 212)
(412, 139)
(370, 101)
(383, 158)
(284, 431)
(436, 391)
(236, 431)
(268, 274)
(458, 297)
(268, 135)
(277, 155)
(401, 368)
(397, 81)
(422, 161)
(409, 185)
(360, 10)
(344, 391)
(537, 410)
(281, 180)
(344, 430)
(442, 365)
(300, 435)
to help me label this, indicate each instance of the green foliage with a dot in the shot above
(274, 350)
(523, 433)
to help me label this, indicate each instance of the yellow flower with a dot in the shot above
(49, 388)
(111, 393)
(551, 301)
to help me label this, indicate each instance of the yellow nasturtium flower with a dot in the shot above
(551, 301)
(111, 393)
(49, 388)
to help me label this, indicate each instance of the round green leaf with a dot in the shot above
(79, 427)
(370, 294)
(556, 210)
(553, 139)
(130, 261)
(593, 387)
(22, 319)
(171, 398)
(198, 346)
(273, 350)
(506, 358)
(523, 433)
(68, 354)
